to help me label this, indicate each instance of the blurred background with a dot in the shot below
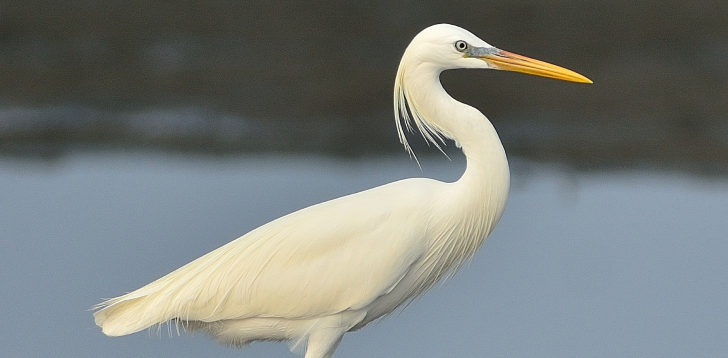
(137, 135)
(316, 76)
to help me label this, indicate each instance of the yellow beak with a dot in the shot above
(504, 60)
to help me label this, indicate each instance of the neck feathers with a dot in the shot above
(419, 98)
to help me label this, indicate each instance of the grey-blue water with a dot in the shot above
(601, 264)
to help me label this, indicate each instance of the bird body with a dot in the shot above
(334, 259)
(311, 276)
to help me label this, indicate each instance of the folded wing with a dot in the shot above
(331, 257)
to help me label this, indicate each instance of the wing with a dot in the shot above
(327, 258)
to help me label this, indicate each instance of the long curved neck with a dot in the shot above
(475, 203)
(487, 173)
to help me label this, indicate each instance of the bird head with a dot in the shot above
(450, 47)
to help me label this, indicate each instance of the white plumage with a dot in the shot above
(315, 274)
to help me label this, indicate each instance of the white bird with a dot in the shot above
(312, 275)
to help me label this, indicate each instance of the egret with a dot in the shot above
(311, 276)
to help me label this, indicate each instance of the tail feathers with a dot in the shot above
(119, 317)
(155, 303)
(134, 311)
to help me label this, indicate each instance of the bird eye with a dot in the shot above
(461, 45)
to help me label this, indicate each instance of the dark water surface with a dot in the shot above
(240, 77)
(599, 264)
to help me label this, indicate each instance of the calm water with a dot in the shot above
(600, 264)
